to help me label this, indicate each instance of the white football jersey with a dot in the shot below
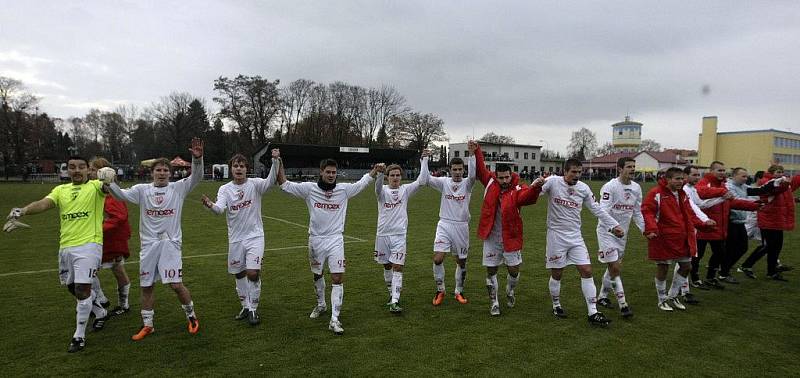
(564, 206)
(326, 209)
(160, 207)
(393, 203)
(699, 204)
(623, 203)
(242, 203)
(454, 205)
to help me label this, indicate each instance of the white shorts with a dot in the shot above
(673, 261)
(110, 264)
(330, 249)
(79, 264)
(494, 255)
(611, 249)
(245, 254)
(563, 250)
(160, 260)
(390, 249)
(452, 237)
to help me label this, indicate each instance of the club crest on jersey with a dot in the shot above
(455, 188)
(627, 195)
(159, 200)
(73, 195)
(571, 191)
(395, 196)
(328, 194)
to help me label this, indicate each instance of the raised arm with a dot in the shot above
(483, 174)
(379, 186)
(197, 165)
(528, 194)
(34, 207)
(351, 190)
(299, 190)
(131, 195)
(216, 207)
(422, 178)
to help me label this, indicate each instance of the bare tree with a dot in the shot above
(418, 131)
(606, 149)
(253, 103)
(582, 144)
(491, 137)
(295, 105)
(649, 145)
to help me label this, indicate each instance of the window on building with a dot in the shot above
(516, 155)
(550, 169)
(516, 168)
(466, 153)
(455, 153)
(777, 142)
(526, 155)
(533, 156)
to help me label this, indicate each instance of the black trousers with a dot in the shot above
(714, 262)
(771, 245)
(735, 247)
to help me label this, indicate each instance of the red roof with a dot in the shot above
(611, 158)
(665, 157)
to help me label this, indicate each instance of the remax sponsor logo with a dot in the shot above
(327, 206)
(390, 205)
(565, 202)
(160, 213)
(75, 215)
(242, 205)
(455, 197)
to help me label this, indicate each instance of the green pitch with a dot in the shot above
(745, 330)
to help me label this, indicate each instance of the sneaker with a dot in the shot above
(317, 311)
(698, 284)
(714, 283)
(105, 304)
(664, 306)
(76, 345)
(99, 323)
(778, 277)
(605, 302)
(438, 298)
(690, 299)
(395, 308)
(511, 300)
(193, 325)
(336, 327)
(599, 319)
(253, 318)
(626, 312)
(461, 299)
(783, 268)
(143, 333)
(559, 312)
(119, 310)
(495, 310)
(243, 314)
(677, 304)
(748, 272)
(729, 280)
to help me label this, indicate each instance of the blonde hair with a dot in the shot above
(392, 167)
(99, 162)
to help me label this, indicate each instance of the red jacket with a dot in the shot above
(711, 187)
(778, 213)
(116, 230)
(672, 220)
(511, 200)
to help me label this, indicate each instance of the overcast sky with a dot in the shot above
(530, 69)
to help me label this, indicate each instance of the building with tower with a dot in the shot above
(627, 135)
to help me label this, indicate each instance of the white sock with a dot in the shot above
(147, 317)
(337, 292)
(461, 276)
(438, 276)
(684, 289)
(242, 290)
(387, 278)
(661, 288)
(397, 286)
(677, 283)
(605, 288)
(491, 287)
(555, 291)
(124, 292)
(616, 284)
(254, 296)
(82, 310)
(188, 309)
(97, 310)
(511, 283)
(100, 297)
(319, 288)
(685, 286)
(590, 293)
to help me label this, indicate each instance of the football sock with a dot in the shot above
(491, 287)
(555, 291)
(241, 290)
(661, 288)
(254, 293)
(677, 283)
(605, 288)
(616, 284)
(438, 276)
(319, 288)
(461, 276)
(590, 293)
(97, 310)
(685, 289)
(188, 309)
(147, 317)
(124, 293)
(387, 278)
(82, 311)
(511, 283)
(100, 297)
(337, 292)
(397, 286)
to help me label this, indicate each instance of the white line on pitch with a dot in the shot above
(306, 227)
(184, 257)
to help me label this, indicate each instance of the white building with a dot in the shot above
(522, 158)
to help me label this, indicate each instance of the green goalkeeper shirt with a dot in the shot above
(81, 211)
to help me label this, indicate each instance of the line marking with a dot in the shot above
(183, 257)
(306, 226)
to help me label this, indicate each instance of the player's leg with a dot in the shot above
(678, 280)
(97, 288)
(397, 258)
(714, 262)
(148, 275)
(123, 286)
(236, 267)
(662, 267)
(759, 252)
(441, 246)
(513, 261)
(254, 253)
(316, 259)
(555, 261)
(774, 242)
(170, 266)
(460, 252)
(695, 274)
(336, 263)
(382, 257)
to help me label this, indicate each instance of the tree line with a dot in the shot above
(252, 112)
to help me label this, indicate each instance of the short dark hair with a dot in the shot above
(327, 163)
(76, 157)
(238, 158)
(737, 170)
(716, 162)
(455, 161)
(775, 167)
(570, 163)
(621, 161)
(672, 171)
(161, 161)
(688, 169)
(502, 168)
(759, 175)
(393, 167)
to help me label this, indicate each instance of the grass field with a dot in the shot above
(746, 330)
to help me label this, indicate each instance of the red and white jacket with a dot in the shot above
(511, 200)
(669, 215)
(778, 213)
(711, 187)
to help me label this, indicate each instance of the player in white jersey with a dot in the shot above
(622, 199)
(240, 199)
(565, 245)
(390, 238)
(327, 209)
(692, 177)
(452, 231)
(160, 206)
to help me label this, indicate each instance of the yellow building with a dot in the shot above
(754, 150)
(626, 135)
